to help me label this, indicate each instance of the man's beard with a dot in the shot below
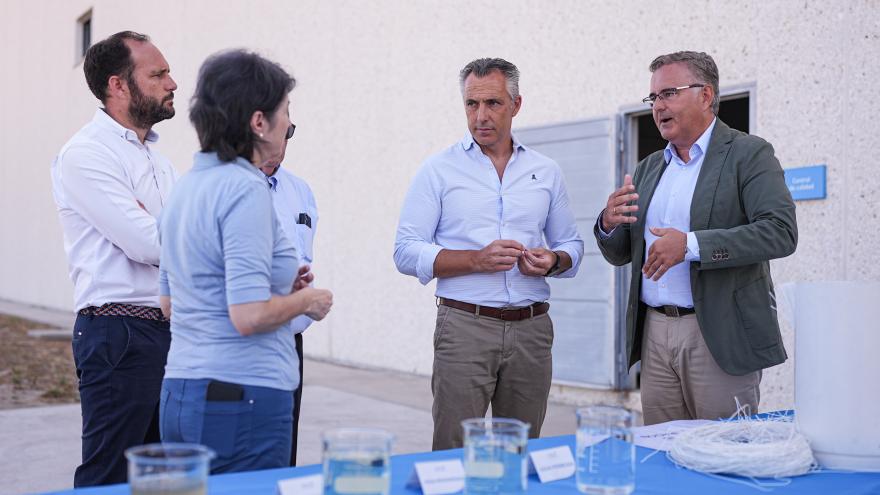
(146, 111)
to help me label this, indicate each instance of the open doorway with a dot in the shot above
(735, 111)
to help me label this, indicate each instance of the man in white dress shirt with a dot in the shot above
(296, 209)
(480, 217)
(110, 186)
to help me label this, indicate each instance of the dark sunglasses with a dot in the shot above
(290, 131)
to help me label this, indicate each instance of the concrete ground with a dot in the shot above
(40, 447)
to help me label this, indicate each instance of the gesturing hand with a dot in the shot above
(536, 262)
(498, 256)
(304, 277)
(616, 208)
(667, 251)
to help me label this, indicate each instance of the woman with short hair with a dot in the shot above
(229, 276)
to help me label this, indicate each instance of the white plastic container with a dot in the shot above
(837, 371)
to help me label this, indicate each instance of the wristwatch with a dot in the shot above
(555, 269)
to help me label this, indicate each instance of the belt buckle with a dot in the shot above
(671, 311)
(503, 310)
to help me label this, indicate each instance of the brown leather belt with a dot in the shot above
(673, 311)
(504, 314)
(117, 309)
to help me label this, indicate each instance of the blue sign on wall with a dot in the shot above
(806, 182)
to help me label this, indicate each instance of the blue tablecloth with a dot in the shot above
(656, 475)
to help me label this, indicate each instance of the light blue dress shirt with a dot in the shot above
(671, 207)
(292, 197)
(457, 202)
(222, 244)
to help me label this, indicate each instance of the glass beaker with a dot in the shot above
(495, 455)
(605, 451)
(357, 461)
(169, 469)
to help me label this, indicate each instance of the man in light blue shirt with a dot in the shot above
(479, 217)
(297, 212)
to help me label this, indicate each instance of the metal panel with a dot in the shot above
(583, 308)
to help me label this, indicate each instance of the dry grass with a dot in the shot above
(33, 372)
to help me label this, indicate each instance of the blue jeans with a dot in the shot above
(247, 434)
(120, 362)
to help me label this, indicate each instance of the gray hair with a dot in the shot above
(701, 66)
(481, 67)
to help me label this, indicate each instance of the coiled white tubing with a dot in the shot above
(760, 448)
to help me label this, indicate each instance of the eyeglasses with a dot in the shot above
(667, 93)
(290, 131)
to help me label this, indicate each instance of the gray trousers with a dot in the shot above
(680, 378)
(482, 360)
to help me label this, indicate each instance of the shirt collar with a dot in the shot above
(467, 142)
(273, 182)
(203, 160)
(103, 119)
(697, 149)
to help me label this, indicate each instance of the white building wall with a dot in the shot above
(378, 93)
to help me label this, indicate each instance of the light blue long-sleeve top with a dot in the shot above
(292, 198)
(221, 244)
(457, 202)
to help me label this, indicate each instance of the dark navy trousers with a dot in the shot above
(120, 362)
(297, 398)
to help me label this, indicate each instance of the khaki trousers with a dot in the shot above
(482, 360)
(680, 378)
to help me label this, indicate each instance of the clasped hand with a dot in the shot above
(502, 254)
(318, 301)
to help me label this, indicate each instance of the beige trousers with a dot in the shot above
(482, 360)
(680, 378)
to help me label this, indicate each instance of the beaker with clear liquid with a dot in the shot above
(169, 469)
(357, 461)
(495, 459)
(605, 453)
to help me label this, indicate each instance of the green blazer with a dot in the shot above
(743, 216)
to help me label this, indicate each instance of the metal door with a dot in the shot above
(584, 308)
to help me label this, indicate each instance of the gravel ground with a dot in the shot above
(33, 371)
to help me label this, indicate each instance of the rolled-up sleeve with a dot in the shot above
(414, 247)
(561, 229)
(246, 230)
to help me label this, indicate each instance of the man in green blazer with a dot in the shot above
(699, 221)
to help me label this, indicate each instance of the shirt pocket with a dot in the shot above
(306, 236)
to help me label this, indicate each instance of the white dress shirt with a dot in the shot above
(671, 207)
(457, 202)
(292, 197)
(112, 243)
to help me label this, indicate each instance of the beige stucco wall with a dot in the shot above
(378, 93)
